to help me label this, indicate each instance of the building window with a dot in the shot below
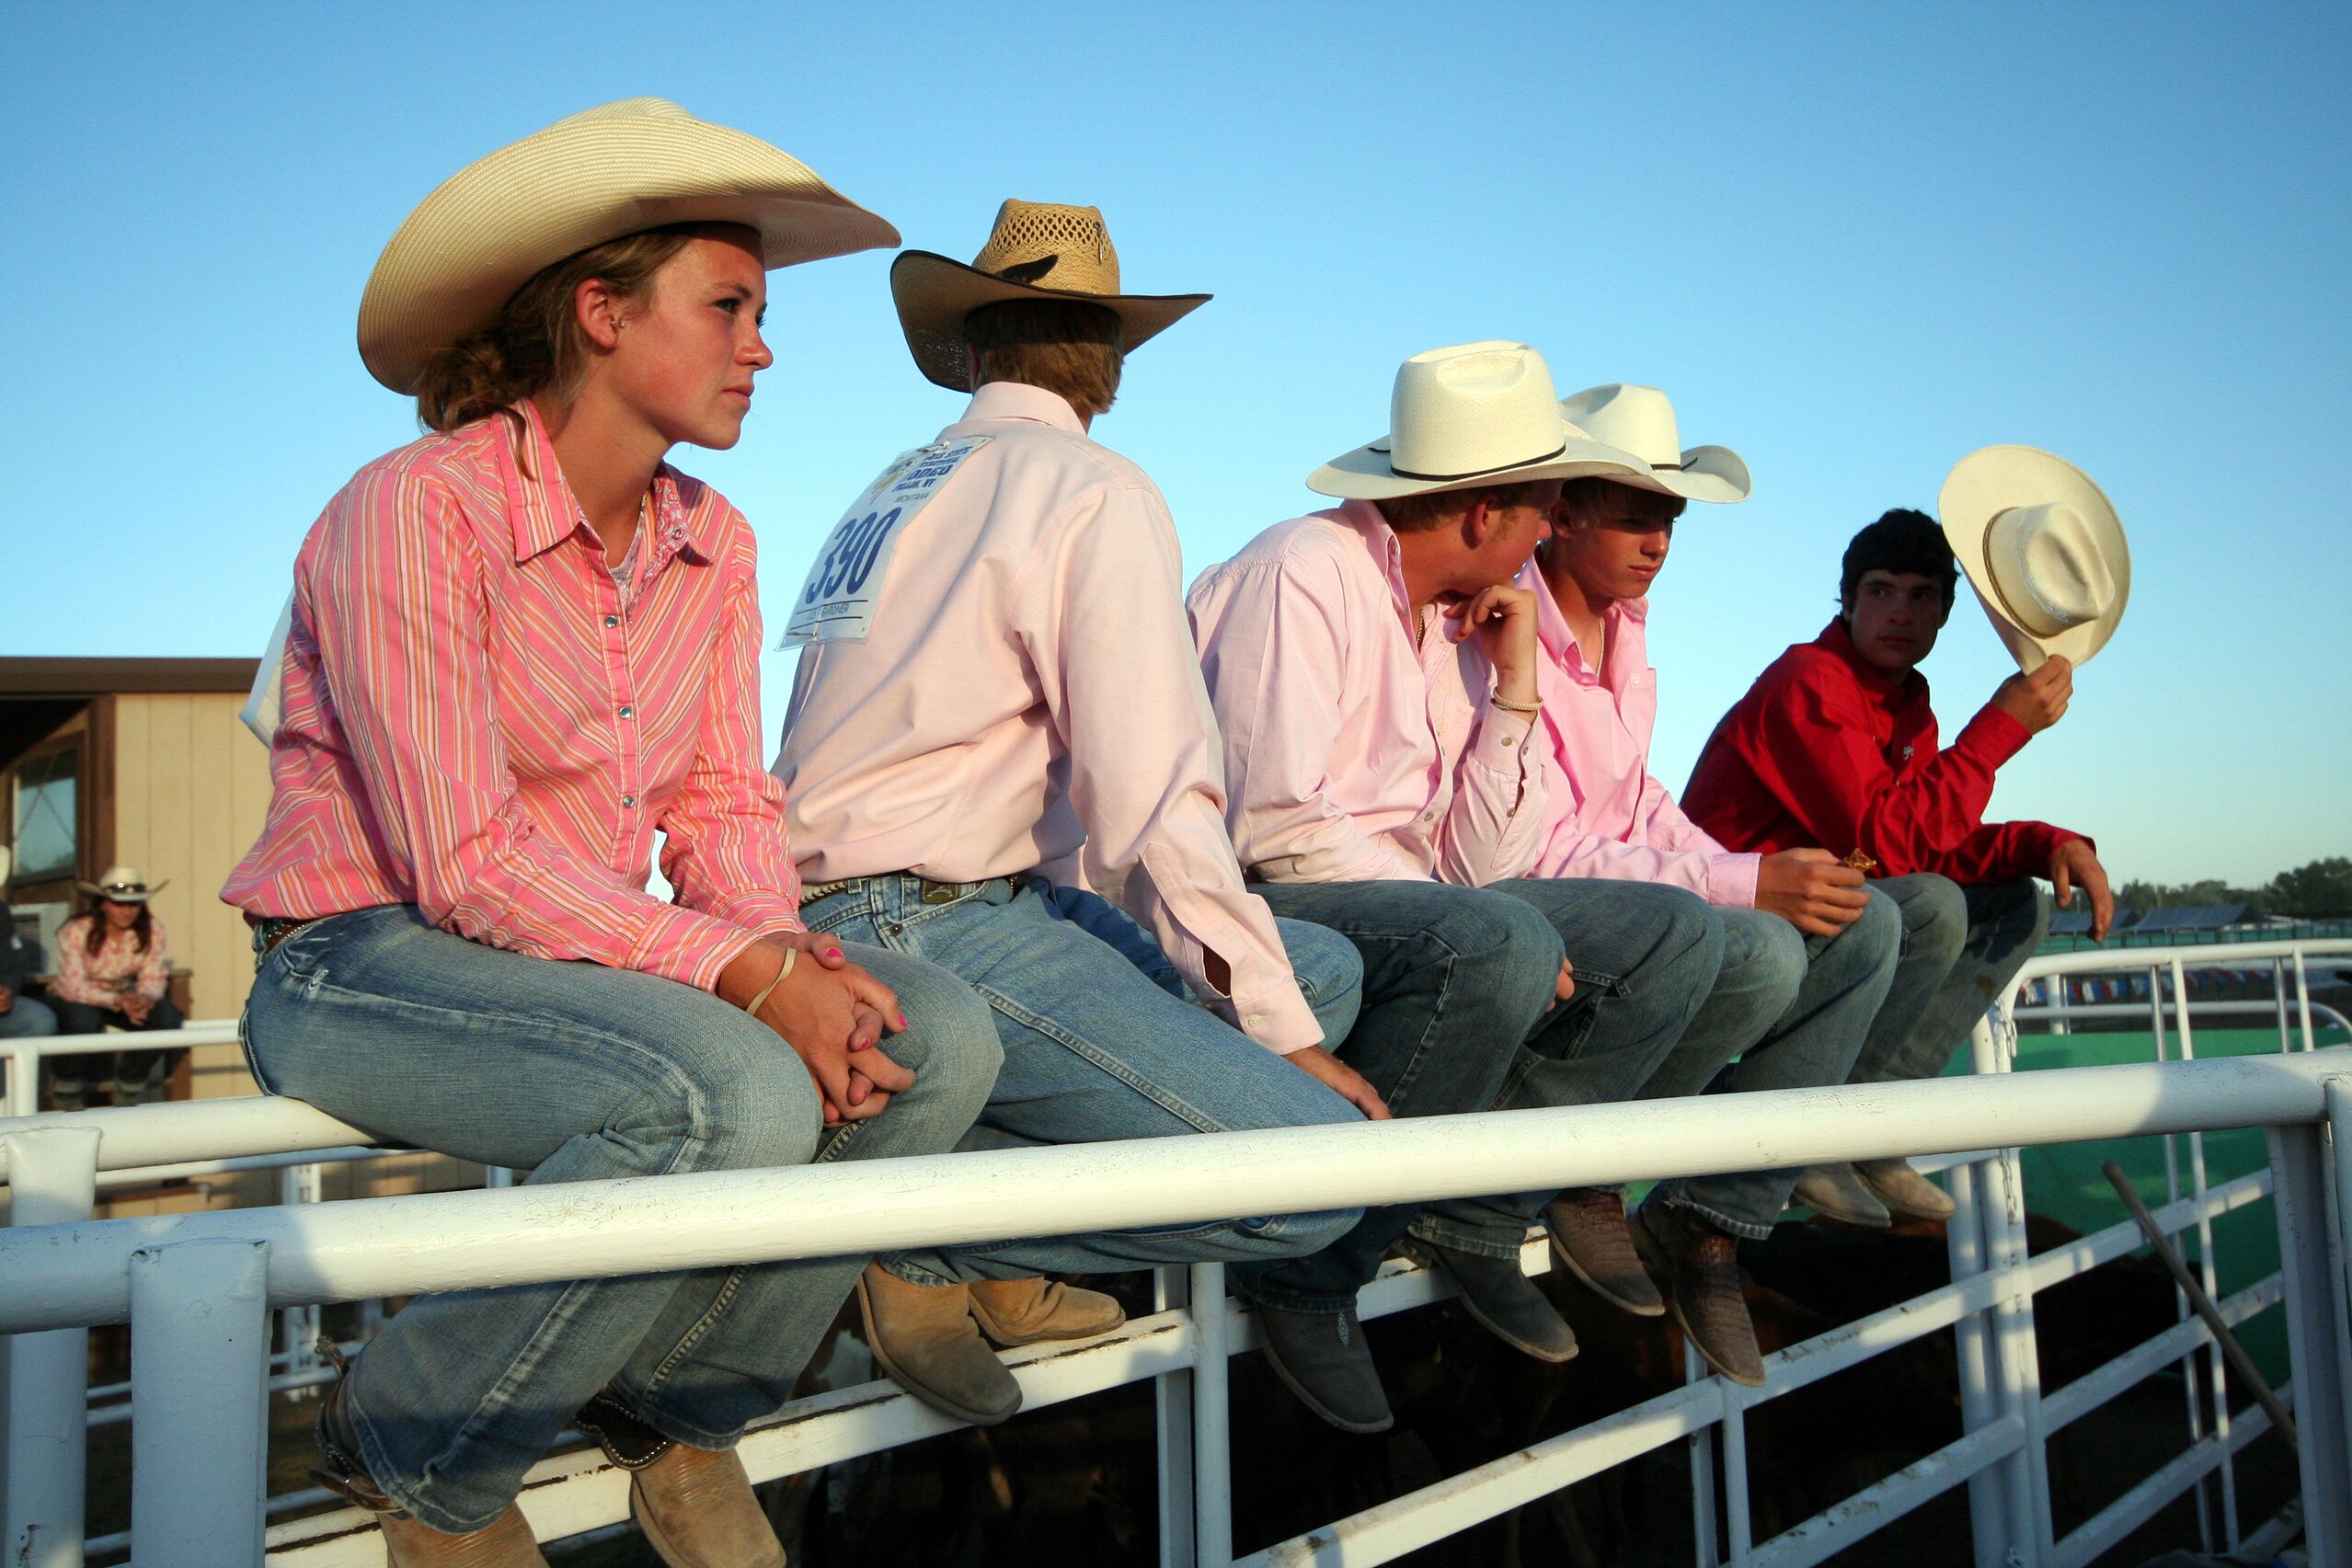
(48, 814)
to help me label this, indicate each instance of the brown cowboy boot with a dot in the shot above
(698, 1510)
(1700, 1267)
(925, 1338)
(1587, 1230)
(1904, 1191)
(1022, 1311)
(505, 1543)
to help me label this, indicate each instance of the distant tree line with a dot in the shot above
(2321, 890)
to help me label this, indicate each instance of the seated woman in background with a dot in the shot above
(112, 974)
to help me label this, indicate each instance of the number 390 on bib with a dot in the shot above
(837, 602)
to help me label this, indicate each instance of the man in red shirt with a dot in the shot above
(1834, 747)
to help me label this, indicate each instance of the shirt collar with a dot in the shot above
(1019, 400)
(1369, 524)
(1875, 681)
(1560, 645)
(544, 513)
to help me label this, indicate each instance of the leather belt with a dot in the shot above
(270, 930)
(933, 892)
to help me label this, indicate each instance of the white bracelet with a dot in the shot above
(791, 957)
(1511, 707)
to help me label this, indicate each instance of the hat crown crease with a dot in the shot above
(1472, 409)
(2050, 576)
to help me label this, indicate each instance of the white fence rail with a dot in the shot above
(204, 1283)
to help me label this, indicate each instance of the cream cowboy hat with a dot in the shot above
(1471, 414)
(1037, 251)
(595, 176)
(1640, 419)
(122, 885)
(2043, 548)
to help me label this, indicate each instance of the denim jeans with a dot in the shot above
(1454, 977)
(579, 1072)
(1961, 948)
(1094, 1052)
(1646, 958)
(1330, 975)
(25, 1017)
(139, 1077)
(1829, 990)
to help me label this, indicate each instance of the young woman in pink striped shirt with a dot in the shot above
(521, 646)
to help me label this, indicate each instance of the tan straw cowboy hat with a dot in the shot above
(1038, 251)
(1471, 414)
(122, 885)
(2043, 548)
(1640, 419)
(595, 176)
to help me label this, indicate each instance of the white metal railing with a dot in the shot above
(205, 1281)
(23, 1057)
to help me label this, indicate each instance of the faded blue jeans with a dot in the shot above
(580, 1072)
(1961, 948)
(1094, 1052)
(1460, 1016)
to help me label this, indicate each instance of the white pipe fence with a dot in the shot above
(67, 1274)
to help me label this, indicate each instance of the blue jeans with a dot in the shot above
(1330, 975)
(25, 1018)
(1094, 1052)
(1645, 957)
(1961, 948)
(1454, 977)
(1790, 1011)
(579, 1072)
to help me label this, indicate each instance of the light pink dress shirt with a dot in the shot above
(1606, 814)
(1027, 699)
(1356, 754)
(481, 722)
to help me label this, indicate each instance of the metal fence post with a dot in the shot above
(298, 1326)
(2322, 1404)
(200, 1364)
(1977, 1352)
(52, 1180)
(1212, 1454)
(1172, 1400)
(24, 1079)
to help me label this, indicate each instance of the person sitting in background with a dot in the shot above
(21, 1016)
(1835, 747)
(112, 974)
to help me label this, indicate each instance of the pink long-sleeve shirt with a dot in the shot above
(480, 720)
(1026, 698)
(1606, 814)
(120, 968)
(1357, 752)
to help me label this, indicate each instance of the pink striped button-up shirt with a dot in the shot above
(1026, 698)
(1606, 814)
(479, 721)
(1356, 754)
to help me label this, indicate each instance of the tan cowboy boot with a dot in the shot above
(505, 1543)
(1022, 1311)
(1904, 1191)
(698, 1510)
(924, 1337)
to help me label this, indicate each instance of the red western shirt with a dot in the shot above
(1826, 750)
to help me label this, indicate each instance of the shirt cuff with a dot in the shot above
(688, 946)
(1731, 880)
(1277, 1017)
(1502, 740)
(1992, 736)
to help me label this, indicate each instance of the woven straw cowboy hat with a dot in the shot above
(1037, 251)
(1640, 419)
(1471, 414)
(596, 175)
(123, 885)
(2043, 548)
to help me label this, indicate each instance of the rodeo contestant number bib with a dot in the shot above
(836, 604)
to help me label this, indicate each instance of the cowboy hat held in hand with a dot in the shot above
(1472, 414)
(1640, 419)
(122, 885)
(596, 175)
(1038, 250)
(2044, 549)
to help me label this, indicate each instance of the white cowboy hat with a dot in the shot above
(122, 885)
(2043, 548)
(596, 175)
(1037, 251)
(1471, 414)
(1640, 419)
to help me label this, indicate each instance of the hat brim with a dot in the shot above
(1368, 473)
(934, 294)
(486, 230)
(1996, 479)
(94, 891)
(1713, 473)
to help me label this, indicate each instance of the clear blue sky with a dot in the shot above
(1853, 241)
